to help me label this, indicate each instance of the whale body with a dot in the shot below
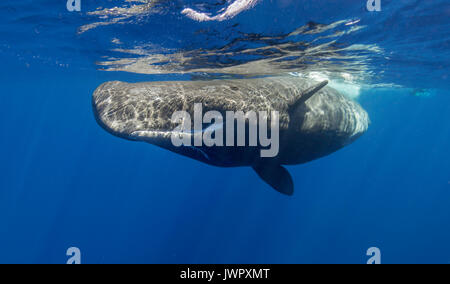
(314, 120)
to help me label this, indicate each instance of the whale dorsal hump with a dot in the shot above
(306, 95)
(277, 177)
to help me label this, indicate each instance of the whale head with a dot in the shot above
(127, 111)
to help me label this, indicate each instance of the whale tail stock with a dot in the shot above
(277, 177)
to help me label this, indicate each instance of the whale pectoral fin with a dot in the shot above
(306, 95)
(277, 177)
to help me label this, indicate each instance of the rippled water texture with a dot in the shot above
(64, 182)
(341, 40)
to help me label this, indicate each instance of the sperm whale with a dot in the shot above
(313, 119)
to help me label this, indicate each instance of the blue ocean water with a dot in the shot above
(65, 182)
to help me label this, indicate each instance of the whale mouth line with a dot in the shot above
(149, 133)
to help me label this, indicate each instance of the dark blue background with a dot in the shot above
(65, 182)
